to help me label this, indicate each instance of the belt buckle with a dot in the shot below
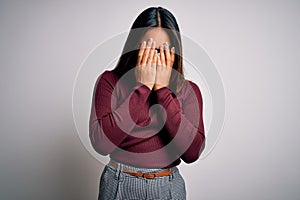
(148, 175)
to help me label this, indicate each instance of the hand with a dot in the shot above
(145, 70)
(164, 67)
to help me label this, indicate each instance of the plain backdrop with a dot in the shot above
(254, 44)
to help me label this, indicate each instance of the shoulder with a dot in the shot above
(108, 76)
(192, 89)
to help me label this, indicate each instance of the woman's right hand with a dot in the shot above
(145, 70)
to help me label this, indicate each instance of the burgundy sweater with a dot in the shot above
(127, 123)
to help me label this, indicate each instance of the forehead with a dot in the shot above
(158, 34)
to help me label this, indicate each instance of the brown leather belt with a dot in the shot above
(144, 175)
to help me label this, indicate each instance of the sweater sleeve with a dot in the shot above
(184, 123)
(110, 121)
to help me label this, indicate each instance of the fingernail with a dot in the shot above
(144, 44)
(167, 44)
(173, 49)
(150, 40)
(154, 44)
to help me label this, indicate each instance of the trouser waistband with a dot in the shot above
(150, 175)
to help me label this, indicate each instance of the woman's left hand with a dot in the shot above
(164, 66)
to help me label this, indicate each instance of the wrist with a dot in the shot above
(150, 86)
(157, 87)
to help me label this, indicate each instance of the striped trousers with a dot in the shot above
(118, 185)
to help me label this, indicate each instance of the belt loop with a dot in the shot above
(118, 171)
(171, 176)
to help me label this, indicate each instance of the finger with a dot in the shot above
(141, 52)
(158, 60)
(172, 56)
(162, 55)
(167, 55)
(151, 53)
(154, 58)
(146, 53)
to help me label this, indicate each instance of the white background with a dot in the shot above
(254, 44)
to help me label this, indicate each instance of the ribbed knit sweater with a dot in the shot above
(146, 128)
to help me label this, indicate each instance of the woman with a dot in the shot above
(150, 120)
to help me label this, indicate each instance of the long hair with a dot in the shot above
(149, 18)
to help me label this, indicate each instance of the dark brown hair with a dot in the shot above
(149, 18)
